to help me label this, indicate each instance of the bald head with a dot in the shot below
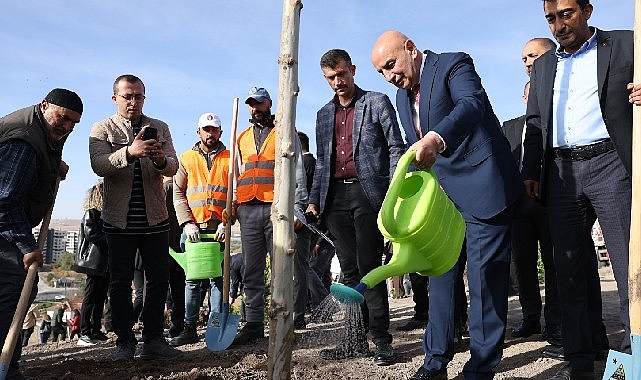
(533, 49)
(396, 57)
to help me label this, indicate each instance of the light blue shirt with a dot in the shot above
(577, 116)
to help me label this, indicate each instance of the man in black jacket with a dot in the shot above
(577, 159)
(31, 141)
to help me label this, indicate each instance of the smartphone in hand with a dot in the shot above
(150, 133)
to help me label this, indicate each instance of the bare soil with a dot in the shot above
(521, 360)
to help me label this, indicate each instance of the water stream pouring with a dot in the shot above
(202, 259)
(424, 226)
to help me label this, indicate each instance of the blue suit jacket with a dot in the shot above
(377, 144)
(615, 61)
(476, 170)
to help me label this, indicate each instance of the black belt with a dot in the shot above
(584, 152)
(346, 180)
(255, 201)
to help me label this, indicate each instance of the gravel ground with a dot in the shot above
(521, 359)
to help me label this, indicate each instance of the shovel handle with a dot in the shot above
(230, 197)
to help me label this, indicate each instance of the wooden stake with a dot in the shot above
(634, 268)
(281, 308)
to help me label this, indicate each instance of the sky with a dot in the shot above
(197, 56)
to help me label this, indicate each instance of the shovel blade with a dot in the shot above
(221, 329)
(4, 369)
(619, 366)
(622, 366)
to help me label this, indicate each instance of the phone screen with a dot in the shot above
(150, 133)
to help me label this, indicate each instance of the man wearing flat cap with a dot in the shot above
(200, 196)
(254, 196)
(31, 141)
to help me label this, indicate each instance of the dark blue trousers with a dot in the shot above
(488, 266)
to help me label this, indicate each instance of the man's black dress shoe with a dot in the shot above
(558, 353)
(552, 334)
(413, 324)
(553, 353)
(568, 373)
(424, 374)
(384, 354)
(524, 330)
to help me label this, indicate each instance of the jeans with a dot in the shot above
(193, 301)
(193, 290)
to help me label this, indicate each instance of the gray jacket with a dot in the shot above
(108, 141)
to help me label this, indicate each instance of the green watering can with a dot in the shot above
(202, 259)
(424, 226)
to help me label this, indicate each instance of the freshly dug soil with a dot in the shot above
(521, 360)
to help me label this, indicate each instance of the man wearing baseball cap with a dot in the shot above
(31, 141)
(254, 196)
(200, 195)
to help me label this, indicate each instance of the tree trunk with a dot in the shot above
(634, 270)
(281, 326)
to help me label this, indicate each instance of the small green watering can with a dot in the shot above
(424, 226)
(202, 259)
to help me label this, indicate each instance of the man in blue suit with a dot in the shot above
(358, 143)
(449, 122)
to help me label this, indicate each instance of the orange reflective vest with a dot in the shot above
(256, 179)
(206, 189)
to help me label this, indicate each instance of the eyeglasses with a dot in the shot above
(130, 97)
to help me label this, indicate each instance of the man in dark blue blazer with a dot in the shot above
(578, 159)
(358, 143)
(449, 121)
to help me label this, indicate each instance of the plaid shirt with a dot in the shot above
(18, 176)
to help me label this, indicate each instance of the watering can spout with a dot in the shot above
(424, 226)
(181, 258)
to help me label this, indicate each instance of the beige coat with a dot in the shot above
(108, 141)
(31, 317)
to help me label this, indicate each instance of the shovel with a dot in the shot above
(222, 326)
(23, 303)
(619, 365)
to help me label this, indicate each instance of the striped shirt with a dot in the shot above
(137, 215)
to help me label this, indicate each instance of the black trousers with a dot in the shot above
(359, 247)
(420, 296)
(577, 192)
(122, 251)
(93, 304)
(177, 292)
(530, 230)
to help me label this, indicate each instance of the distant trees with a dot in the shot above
(64, 262)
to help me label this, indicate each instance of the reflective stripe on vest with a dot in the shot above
(256, 178)
(206, 189)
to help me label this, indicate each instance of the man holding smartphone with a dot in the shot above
(133, 152)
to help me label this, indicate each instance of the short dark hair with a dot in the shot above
(582, 3)
(127, 78)
(334, 57)
(304, 140)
